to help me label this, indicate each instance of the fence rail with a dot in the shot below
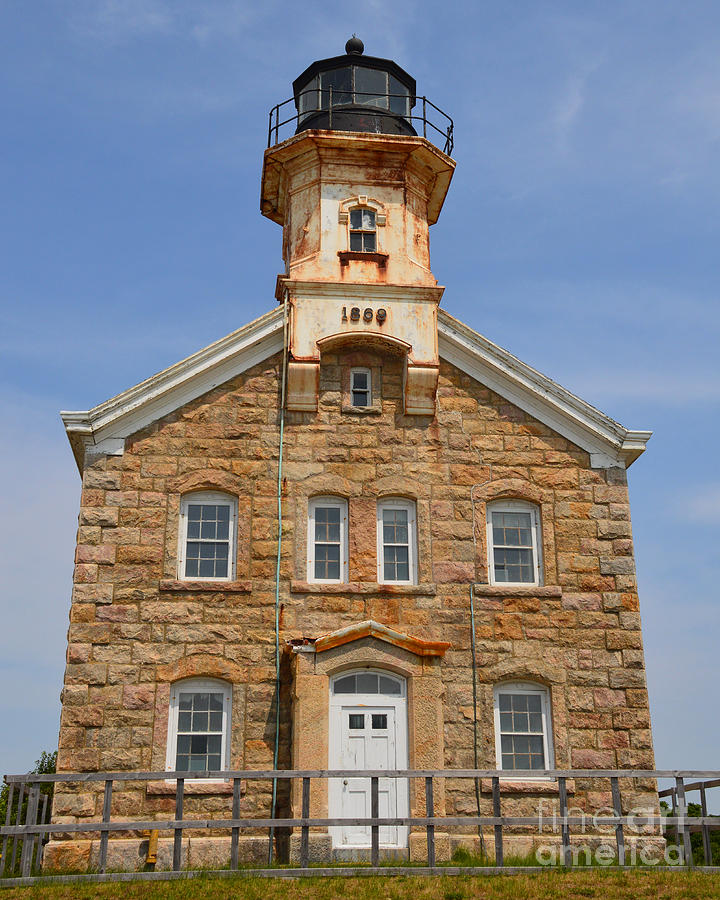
(32, 827)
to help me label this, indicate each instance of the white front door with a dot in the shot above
(368, 731)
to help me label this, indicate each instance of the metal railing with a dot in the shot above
(432, 118)
(29, 835)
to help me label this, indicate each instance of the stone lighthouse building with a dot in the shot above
(285, 540)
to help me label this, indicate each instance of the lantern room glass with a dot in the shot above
(353, 85)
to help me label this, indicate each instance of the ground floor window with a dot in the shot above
(523, 734)
(199, 726)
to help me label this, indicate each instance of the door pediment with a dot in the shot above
(384, 633)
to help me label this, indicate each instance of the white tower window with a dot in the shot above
(363, 230)
(360, 387)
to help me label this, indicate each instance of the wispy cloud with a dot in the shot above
(571, 103)
(120, 20)
(701, 505)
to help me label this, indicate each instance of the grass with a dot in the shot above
(545, 885)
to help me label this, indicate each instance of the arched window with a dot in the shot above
(514, 542)
(396, 541)
(369, 682)
(327, 540)
(207, 539)
(199, 726)
(523, 728)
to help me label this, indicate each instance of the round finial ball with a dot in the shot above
(354, 45)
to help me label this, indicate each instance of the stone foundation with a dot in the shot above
(214, 852)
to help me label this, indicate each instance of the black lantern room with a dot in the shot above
(355, 92)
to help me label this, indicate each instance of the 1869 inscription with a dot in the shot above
(367, 314)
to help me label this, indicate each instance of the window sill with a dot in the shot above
(209, 587)
(361, 410)
(346, 255)
(517, 590)
(528, 786)
(362, 587)
(169, 788)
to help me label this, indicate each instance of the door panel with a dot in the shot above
(366, 747)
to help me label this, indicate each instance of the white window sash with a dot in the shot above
(198, 686)
(218, 499)
(515, 506)
(368, 390)
(411, 544)
(548, 750)
(331, 503)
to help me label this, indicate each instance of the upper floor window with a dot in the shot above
(396, 542)
(199, 726)
(208, 524)
(327, 539)
(360, 387)
(363, 230)
(514, 546)
(523, 733)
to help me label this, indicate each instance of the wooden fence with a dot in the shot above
(31, 830)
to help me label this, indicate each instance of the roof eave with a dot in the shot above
(607, 441)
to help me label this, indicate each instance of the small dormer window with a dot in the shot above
(363, 231)
(361, 387)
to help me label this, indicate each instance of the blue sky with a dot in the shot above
(580, 232)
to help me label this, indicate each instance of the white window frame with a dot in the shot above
(198, 686)
(361, 371)
(397, 503)
(536, 531)
(525, 687)
(334, 503)
(217, 498)
(361, 207)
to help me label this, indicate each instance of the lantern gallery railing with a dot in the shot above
(358, 106)
(27, 828)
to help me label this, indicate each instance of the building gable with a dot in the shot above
(103, 429)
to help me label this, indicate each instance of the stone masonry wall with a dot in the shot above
(134, 629)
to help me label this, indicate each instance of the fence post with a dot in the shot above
(42, 837)
(374, 814)
(707, 850)
(305, 830)
(424, 118)
(619, 833)
(18, 816)
(564, 828)
(235, 839)
(105, 834)
(498, 827)
(29, 839)
(430, 812)
(177, 841)
(8, 811)
(682, 810)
